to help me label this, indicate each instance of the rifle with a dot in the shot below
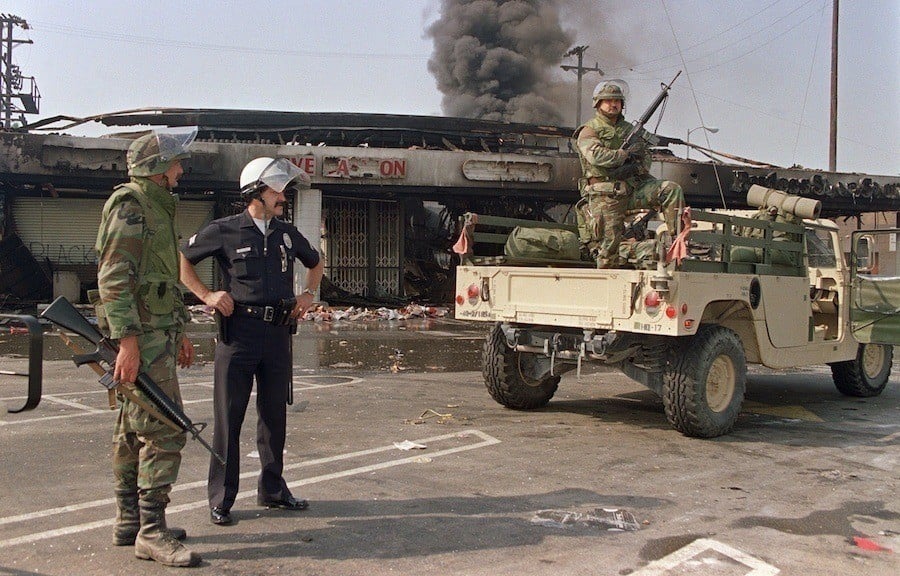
(638, 228)
(631, 166)
(62, 313)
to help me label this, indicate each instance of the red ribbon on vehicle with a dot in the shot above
(678, 251)
(462, 246)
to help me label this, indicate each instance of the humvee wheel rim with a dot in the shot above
(872, 360)
(527, 365)
(720, 383)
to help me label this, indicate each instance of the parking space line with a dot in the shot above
(889, 437)
(84, 409)
(485, 440)
(69, 403)
(680, 558)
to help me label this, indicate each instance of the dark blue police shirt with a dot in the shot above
(255, 271)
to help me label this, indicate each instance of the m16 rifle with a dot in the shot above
(632, 164)
(62, 313)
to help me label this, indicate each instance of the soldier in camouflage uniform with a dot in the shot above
(142, 304)
(608, 191)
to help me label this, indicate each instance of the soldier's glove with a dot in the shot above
(629, 168)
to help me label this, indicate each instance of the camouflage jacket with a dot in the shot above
(598, 155)
(137, 274)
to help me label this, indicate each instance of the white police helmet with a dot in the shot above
(275, 173)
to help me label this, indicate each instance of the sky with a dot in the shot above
(757, 71)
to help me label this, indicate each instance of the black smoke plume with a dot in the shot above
(499, 60)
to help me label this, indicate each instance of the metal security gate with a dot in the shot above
(63, 231)
(363, 246)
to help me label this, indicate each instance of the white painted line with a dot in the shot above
(486, 440)
(676, 559)
(46, 418)
(85, 409)
(69, 403)
(889, 437)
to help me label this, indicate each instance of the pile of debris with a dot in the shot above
(201, 313)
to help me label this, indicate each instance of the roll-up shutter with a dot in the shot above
(64, 231)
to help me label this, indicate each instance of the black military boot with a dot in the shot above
(155, 542)
(128, 520)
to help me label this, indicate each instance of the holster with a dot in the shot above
(222, 324)
(283, 312)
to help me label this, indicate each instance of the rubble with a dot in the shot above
(202, 314)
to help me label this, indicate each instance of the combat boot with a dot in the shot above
(128, 520)
(155, 542)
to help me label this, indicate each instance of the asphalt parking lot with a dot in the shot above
(596, 483)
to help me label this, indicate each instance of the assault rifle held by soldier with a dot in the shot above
(62, 313)
(632, 165)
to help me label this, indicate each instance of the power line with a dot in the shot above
(162, 42)
(702, 57)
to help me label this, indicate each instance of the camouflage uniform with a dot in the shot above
(605, 201)
(138, 283)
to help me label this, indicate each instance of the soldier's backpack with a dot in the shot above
(542, 244)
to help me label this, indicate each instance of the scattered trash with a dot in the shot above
(610, 519)
(203, 314)
(396, 358)
(409, 445)
(867, 544)
(441, 418)
(836, 475)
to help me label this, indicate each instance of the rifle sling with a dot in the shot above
(125, 390)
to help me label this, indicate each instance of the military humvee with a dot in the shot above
(782, 297)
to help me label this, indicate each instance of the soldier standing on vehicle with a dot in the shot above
(615, 181)
(256, 252)
(141, 303)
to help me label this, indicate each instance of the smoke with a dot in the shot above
(497, 60)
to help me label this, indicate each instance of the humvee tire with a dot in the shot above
(518, 380)
(867, 375)
(704, 383)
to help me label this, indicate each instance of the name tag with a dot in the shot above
(243, 250)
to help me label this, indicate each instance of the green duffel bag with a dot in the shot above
(542, 243)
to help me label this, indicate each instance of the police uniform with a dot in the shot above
(258, 272)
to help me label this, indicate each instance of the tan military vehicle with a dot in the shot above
(781, 295)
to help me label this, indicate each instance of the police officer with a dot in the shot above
(141, 305)
(255, 251)
(615, 181)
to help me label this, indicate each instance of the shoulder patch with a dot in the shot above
(130, 212)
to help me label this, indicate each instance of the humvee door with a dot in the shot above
(874, 297)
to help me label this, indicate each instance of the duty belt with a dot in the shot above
(266, 313)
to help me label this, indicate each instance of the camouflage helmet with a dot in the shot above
(153, 153)
(609, 90)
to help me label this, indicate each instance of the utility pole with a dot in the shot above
(11, 76)
(580, 71)
(832, 135)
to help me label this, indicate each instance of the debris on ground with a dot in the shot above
(203, 314)
(869, 545)
(409, 445)
(610, 519)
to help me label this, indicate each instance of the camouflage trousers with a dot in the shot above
(601, 213)
(146, 452)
